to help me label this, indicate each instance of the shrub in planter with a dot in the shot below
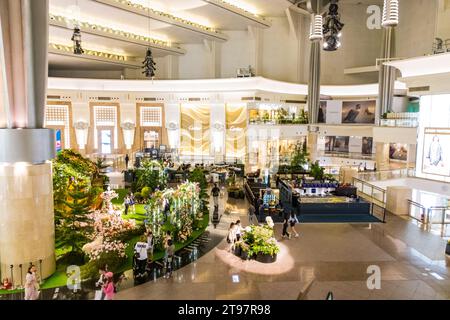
(138, 197)
(447, 248)
(145, 192)
(259, 241)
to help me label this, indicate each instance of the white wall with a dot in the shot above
(415, 33)
(360, 48)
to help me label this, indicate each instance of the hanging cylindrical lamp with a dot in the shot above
(76, 38)
(390, 13)
(316, 31)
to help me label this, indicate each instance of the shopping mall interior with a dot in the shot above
(224, 149)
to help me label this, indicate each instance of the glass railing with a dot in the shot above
(351, 155)
(405, 123)
(373, 193)
(387, 175)
(438, 219)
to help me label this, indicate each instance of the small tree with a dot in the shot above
(317, 171)
(300, 157)
(74, 224)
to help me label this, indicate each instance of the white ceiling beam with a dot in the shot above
(123, 63)
(206, 32)
(260, 21)
(293, 23)
(105, 34)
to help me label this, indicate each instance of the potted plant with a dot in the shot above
(447, 248)
(259, 244)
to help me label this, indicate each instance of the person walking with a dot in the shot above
(170, 252)
(126, 203)
(292, 222)
(108, 287)
(252, 215)
(127, 159)
(215, 193)
(141, 249)
(238, 231)
(231, 237)
(285, 227)
(31, 284)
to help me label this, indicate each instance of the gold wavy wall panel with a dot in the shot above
(195, 130)
(236, 136)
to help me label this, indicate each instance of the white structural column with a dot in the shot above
(26, 193)
(256, 34)
(387, 73)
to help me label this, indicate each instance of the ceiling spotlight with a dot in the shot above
(149, 65)
(390, 13)
(332, 28)
(76, 38)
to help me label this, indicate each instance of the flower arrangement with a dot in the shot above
(176, 210)
(114, 247)
(269, 222)
(110, 226)
(259, 240)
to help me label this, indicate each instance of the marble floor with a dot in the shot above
(326, 257)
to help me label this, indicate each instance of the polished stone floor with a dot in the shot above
(326, 257)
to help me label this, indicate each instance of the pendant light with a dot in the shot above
(76, 36)
(149, 65)
(332, 28)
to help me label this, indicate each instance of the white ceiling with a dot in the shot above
(199, 11)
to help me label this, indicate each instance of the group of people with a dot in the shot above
(143, 256)
(129, 202)
(290, 220)
(106, 288)
(234, 234)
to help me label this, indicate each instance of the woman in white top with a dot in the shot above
(31, 284)
(238, 228)
(231, 237)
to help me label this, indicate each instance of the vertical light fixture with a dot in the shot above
(390, 13)
(149, 64)
(76, 37)
(316, 31)
(332, 28)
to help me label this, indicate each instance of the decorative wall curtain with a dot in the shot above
(195, 130)
(236, 120)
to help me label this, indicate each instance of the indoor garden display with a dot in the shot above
(235, 191)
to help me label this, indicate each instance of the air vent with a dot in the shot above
(54, 97)
(104, 98)
(251, 98)
(149, 99)
(415, 89)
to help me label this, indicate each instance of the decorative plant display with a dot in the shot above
(234, 190)
(73, 225)
(317, 171)
(198, 176)
(259, 241)
(174, 210)
(107, 197)
(300, 157)
(151, 175)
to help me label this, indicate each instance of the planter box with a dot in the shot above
(447, 249)
(244, 255)
(266, 258)
(238, 251)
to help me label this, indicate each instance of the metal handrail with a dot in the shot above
(423, 218)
